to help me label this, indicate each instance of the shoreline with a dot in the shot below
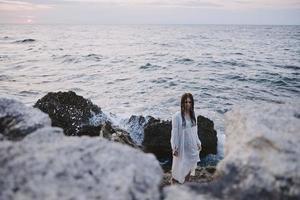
(258, 161)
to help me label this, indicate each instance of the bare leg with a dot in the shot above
(174, 181)
(188, 176)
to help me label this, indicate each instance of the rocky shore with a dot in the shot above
(78, 116)
(67, 148)
(261, 157)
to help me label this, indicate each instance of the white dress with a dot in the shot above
(186, 141)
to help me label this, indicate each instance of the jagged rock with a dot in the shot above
(136, 126)
(117, 135)
(18, 120)
(207, 135)
(157, 134)
(69, 111)
(261, 157)
(210, 160)
(89, 130)
(49, 165)
(202, 175)
(79, 116)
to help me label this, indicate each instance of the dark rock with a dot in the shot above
(70, 112)
(117, 135)
(157, 134)
(207, 135)
(18, 120)
(89, 130)
(79, 117)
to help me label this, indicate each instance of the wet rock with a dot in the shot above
(157, 134)
(202, 175)
(89, 130)
(79, 116)
(261, 156)
(207, 135)
(136, 126)
(49, 165)
(70, 112)
(18, 120)
(117, 135)
(210, 160)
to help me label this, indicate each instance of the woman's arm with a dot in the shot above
(174, 134)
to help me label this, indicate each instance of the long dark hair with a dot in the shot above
(184, 97)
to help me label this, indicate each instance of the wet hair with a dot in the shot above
(184, 97)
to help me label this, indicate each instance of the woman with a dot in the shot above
(185, 142)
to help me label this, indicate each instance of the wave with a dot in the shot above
(184, 60)
(4, 77)
(4, 57)
(28, 93)
(149, 66)
(67, 58)
(28, 40)
(234, 63)
(121, 79)
(235, 77)
(161, 80)
(238, 53)
(288, 67)
(162, 44)
(92, 56)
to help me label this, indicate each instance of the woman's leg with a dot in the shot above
(174, 181)
(188, 177)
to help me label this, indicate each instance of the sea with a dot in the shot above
(144, 69)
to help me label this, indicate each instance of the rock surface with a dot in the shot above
(261, 157)
(202, 175)
(49, 165)
(136, 125)
(46, 164)
(18, 120)
(69, 111)
(157, 134)
(79, 116)
(207, 135)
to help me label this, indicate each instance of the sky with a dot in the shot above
(261, 12)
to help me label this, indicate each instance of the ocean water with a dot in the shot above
(144, 69)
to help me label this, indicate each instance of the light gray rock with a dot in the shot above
(263, 145)
(184, 193)
(18, 120)
(261, 160)
(48, 165)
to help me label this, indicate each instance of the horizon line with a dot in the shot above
(246, 24)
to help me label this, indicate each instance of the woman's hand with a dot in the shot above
(175, 153)
(199, 147)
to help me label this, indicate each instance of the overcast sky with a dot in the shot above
(150, 11)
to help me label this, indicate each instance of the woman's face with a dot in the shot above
(188, 104)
